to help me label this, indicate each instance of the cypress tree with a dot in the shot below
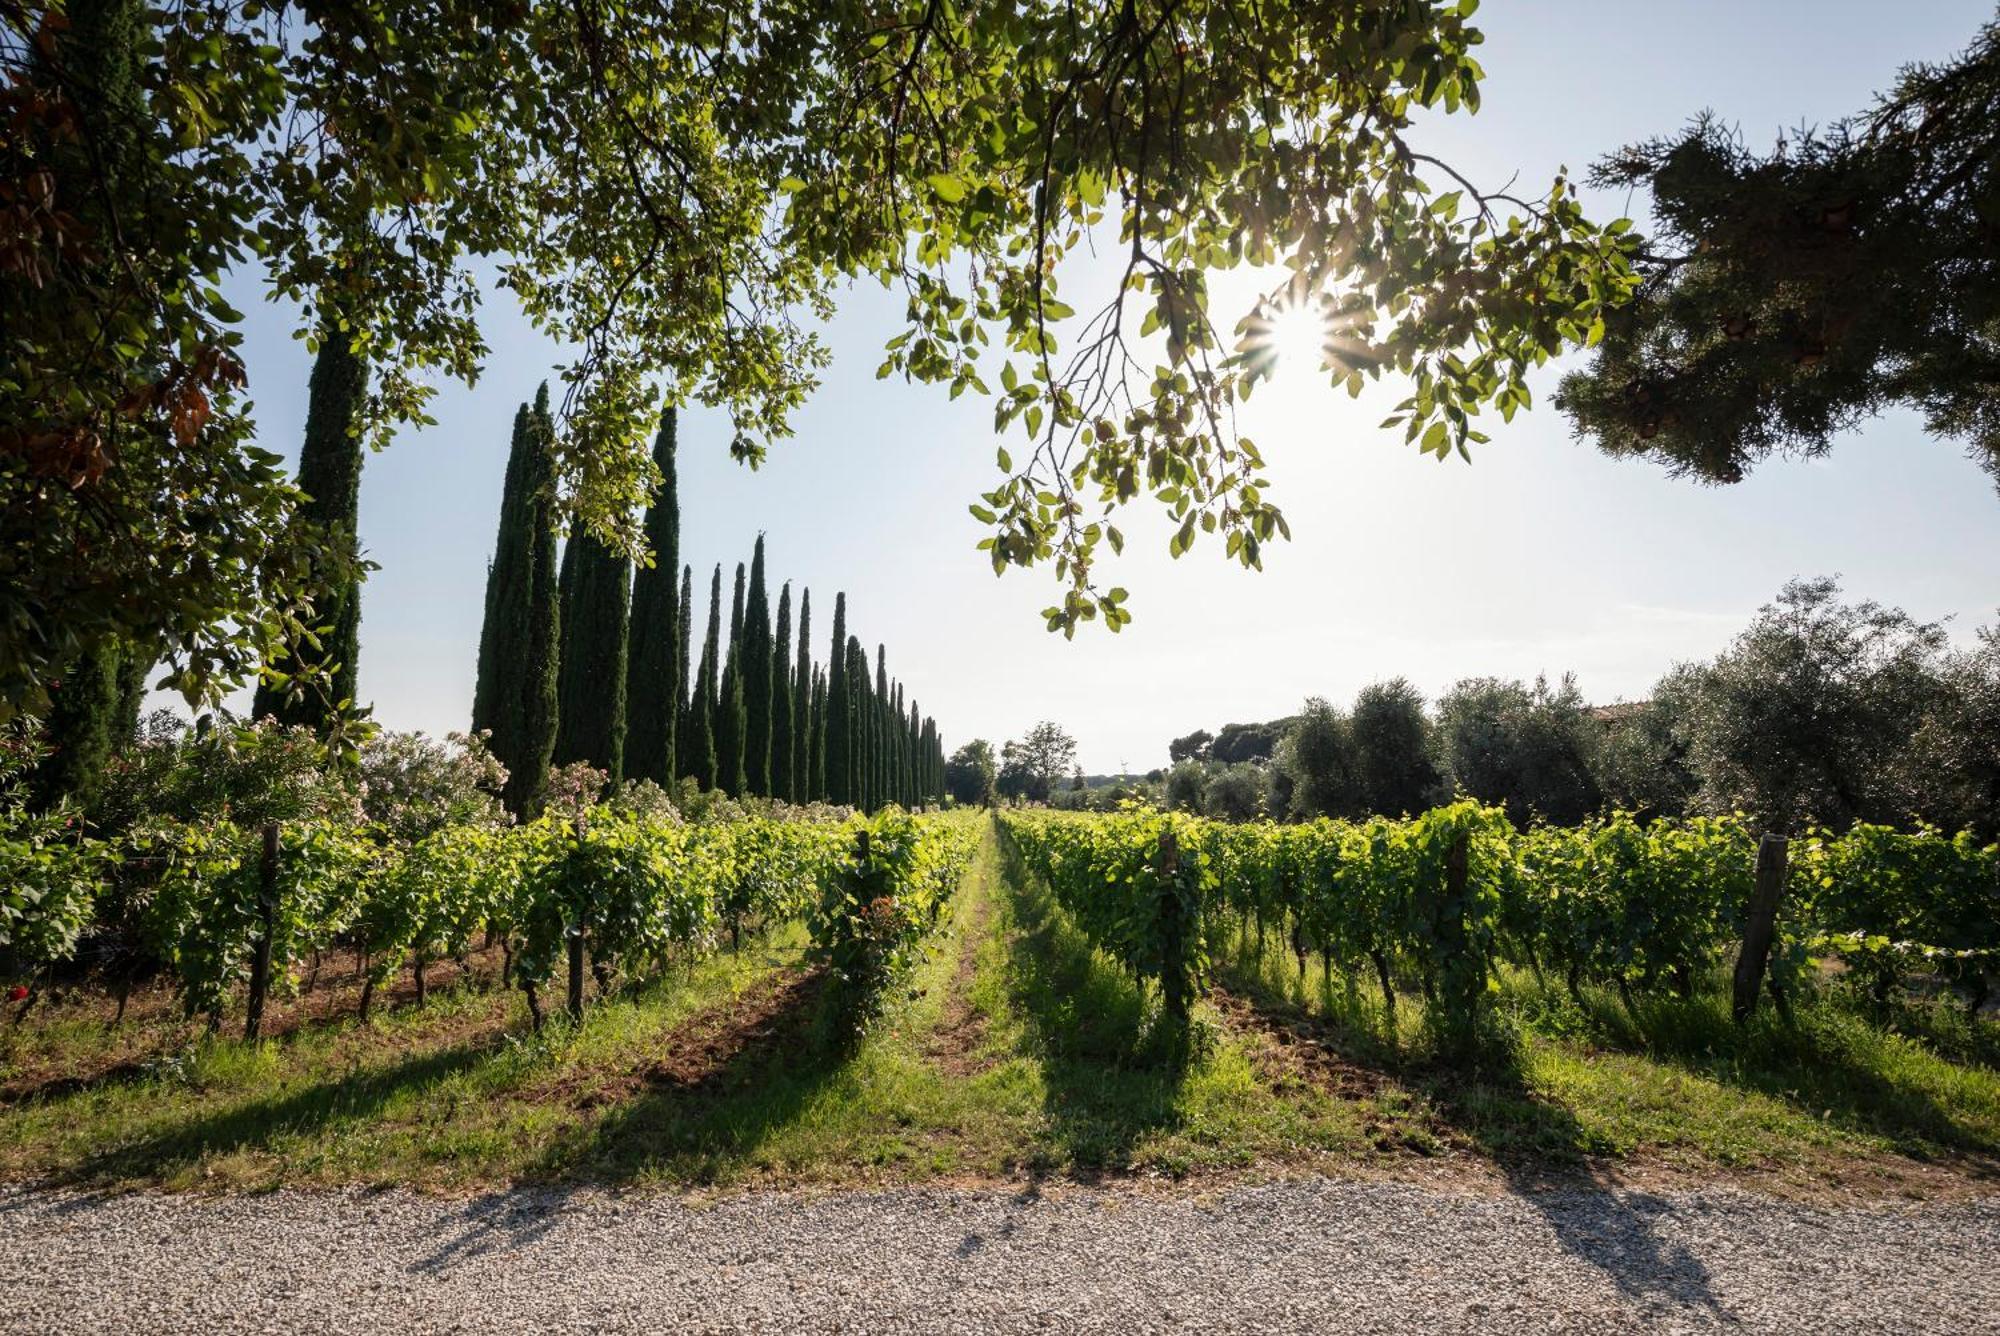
(782, 708)
(507, 577)
(653, 687)
(906, 751)
(729, 730)
(684, 735)
(514, 695)
(729, 712)
(531, 707)
(934, 749)
(839, 714)
(597, 625)
(859, 774)
(330, 475)
(816, 740)
(134, 667)
(898, 750)
(879, 727)
(540, 677)
(755, 670)
(803, 719)
(701, 706)
(77, 730)
(736, 616)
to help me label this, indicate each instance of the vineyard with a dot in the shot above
(803, 994)
(590, 896)
(1448, 897)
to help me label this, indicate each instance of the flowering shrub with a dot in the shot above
(412, 785)
(644, 798)
(573, 789)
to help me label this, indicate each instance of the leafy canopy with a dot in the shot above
(673, 190)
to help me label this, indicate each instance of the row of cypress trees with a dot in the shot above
(596, 665)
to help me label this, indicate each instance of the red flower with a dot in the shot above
(17, 992)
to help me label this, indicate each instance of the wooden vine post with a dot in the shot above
(576, 949)
(267, 926)
(1762, 928)
(1173, 932)
(1464, 978)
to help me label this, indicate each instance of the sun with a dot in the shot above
(1300, 336)
(1290, 335)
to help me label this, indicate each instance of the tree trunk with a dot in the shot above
(1388, 989)
(1761, 929)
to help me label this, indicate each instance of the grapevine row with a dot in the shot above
(603, 893)
(1448, 895)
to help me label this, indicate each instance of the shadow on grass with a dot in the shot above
(1112, 1068)
(1832, 1061)
(260, 1123)
(1482, 1098)
(120, 1073)
(701, 1113)
(326, 1009)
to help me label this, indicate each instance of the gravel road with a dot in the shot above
(1291, 1257)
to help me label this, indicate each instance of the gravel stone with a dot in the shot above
(1304, 1256)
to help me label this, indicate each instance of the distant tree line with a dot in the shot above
(1821, 713)
(595, 665)
(1033, 768)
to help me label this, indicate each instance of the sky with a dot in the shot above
(1540, 556)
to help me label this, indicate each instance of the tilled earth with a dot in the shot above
(1309, 1255)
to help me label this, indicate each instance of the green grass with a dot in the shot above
(455, 1093)
(1676, 1081)
(1016, 1051)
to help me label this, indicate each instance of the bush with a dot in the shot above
(247, 774)
(413, 785)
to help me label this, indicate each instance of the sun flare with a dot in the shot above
(1291, 338)
(1299, 337)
